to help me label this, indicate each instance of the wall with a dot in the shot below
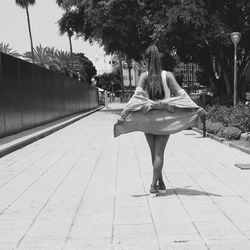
(31, 95)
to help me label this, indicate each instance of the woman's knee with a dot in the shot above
(160, 145)
(159, 158)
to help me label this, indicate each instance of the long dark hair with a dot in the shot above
(154, 84)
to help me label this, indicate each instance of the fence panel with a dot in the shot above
(28, 95)
(31, 95)
(2, 118)
(38, 80)
(12, 94)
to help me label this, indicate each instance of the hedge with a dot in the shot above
(238, 116)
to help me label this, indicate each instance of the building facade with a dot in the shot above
(102, 63)
(135, 73)
(188, 71)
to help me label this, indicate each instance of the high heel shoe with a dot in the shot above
(153, 191)
(161, 188)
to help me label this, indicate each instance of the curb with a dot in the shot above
(13, 146)
(245, 150)
(221, 140)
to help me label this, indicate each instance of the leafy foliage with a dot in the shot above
(196, 30)
(115, 24)
(83, 67)
(5, 48)
(106, 80)
(238, 116)
(77, 65)
(41, 56)
(231, 133)
(199, 30)
(214, 127)
(25, 3)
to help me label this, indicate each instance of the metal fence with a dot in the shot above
(31, 95)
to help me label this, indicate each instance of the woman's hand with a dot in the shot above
(202, 112)
(121, 119)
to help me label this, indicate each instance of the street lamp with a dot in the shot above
(235, 37)
(112, 91)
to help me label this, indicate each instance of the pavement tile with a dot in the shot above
(228, 244)
(218, 230)
(184, 245)
(205, 213)
(135, 235)
(175, 227)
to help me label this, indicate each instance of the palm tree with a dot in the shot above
(40, 56)
(5, 48)
(25, 4)
(63, 61)
(62, 27)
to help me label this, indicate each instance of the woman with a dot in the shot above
(157, 85)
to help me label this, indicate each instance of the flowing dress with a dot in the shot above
(161, 117)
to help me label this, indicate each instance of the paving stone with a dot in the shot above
(228, 244)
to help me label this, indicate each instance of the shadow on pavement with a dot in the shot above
(180, 191)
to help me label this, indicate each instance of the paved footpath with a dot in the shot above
(80, 188)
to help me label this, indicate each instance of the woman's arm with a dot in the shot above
(174, 87)
(141, 82)
(177, 91)
(125, 112)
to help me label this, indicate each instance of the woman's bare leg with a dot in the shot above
(151, 142)
(160, 142)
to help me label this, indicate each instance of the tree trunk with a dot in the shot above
(71, 54)
(242, 79)
(31, 41)
(188, 83)
(209, 68)
(121, 70)
(129, 75)
(227, 82)
(70, 44)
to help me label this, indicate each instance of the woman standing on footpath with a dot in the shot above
(153, 93)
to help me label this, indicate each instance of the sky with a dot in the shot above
(43, 16)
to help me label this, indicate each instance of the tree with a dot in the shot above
(63, 61)
(83, 67)
(118, 69)
(64, 27)
(5, 48)
(108, 81)
(117, 25)
(25, 5)
(77, 65)
(39, 56)
(196, 30)
(199, 31)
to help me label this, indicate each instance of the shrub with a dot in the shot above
(238, 116)
(231, 133)
(214, 127)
